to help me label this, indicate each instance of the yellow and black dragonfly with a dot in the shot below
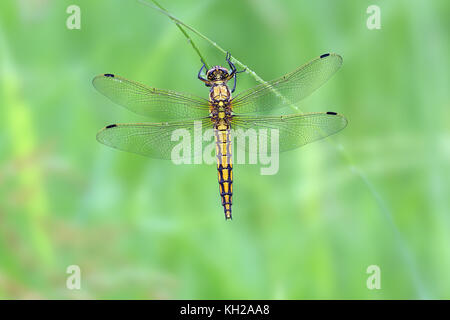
(221, 113)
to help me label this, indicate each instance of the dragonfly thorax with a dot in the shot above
(219, 94)
(220, 106)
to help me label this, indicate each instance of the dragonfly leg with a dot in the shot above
(234, 86)
(231, 64)
(233, 70)
(200, 74)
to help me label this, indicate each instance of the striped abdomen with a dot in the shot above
(224, 168)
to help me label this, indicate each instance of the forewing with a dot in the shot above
(288, 89)
(293, 131)
(158, 104)
(155, 140)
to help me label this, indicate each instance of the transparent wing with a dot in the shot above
(293, 130)
(288, 89)
(158, 104)
(156, 140)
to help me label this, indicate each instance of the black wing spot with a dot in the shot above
(110, 75)
(111, 126)
(332, 113)
(324, 55)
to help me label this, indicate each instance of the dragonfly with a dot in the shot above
(220, 112)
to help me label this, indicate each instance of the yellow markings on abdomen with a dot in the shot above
(224, 169)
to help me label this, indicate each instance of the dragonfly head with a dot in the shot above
(217, 73)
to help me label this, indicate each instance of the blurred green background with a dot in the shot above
(377, 193)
